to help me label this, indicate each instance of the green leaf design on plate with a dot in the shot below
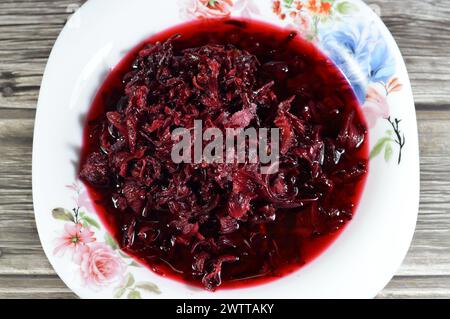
(123, 255)
(111, 242)
(346, 8)
(148, 286)
(288, 3)
(119, 293)
(130, 280)
(135, 264)
(134, 294)
(62, 214)
(388, 152)
(91, 221)
(379, 146)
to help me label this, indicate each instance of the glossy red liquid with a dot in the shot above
(314, 79)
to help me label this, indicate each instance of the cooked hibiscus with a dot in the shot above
(215, 224)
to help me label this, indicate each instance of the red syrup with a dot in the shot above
(231, 249)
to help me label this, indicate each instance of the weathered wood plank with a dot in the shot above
(33, 287)
(417, 287)
(28, 30)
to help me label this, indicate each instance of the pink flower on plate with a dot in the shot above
(100, 266)
(208, 8)
(74, 236)
(375, 107)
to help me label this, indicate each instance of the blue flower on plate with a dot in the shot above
(361, 52)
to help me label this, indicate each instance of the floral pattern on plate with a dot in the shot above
(99, 264)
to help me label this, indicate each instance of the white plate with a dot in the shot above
(361, 261)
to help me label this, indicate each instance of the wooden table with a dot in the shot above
(28, 29)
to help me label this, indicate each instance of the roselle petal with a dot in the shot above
(243, 118)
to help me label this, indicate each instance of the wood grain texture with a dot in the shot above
(28, 29)
(33, 287)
